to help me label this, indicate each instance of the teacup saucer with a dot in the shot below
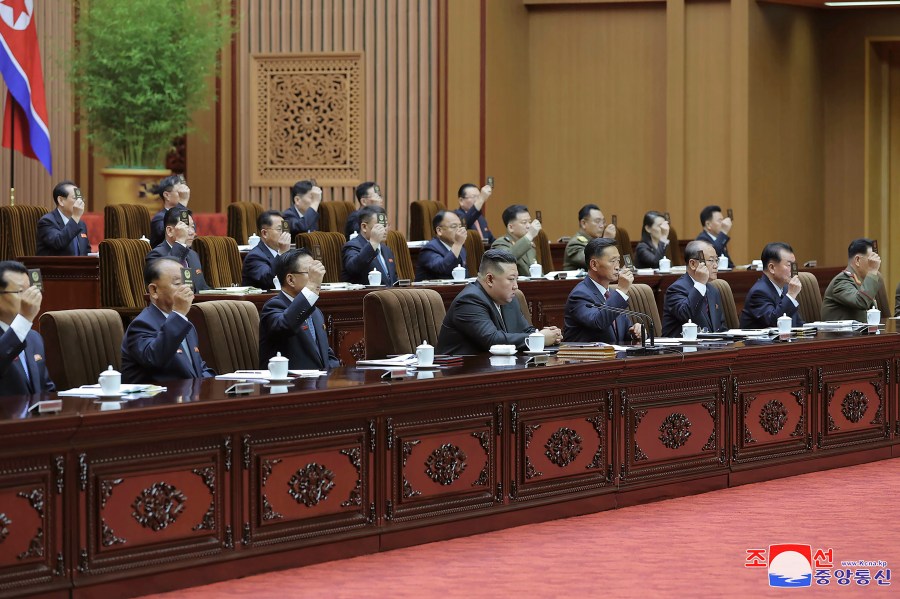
(280, 381)
(535, 353)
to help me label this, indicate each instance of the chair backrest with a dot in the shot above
(474, 251)
(18, 230)
(641, 299)
(728, 305)
(810, 297)
(421, 213)
(333, 215)
(881, 298)
(126, 221)
(330, 243)
(80, 344)
(122, 273)
(673, 252)
(242, 220)
(623, 241)
(398, 320)
(397, 242)
(220, 259)
(228, 331)
(523, 305)
(542, 251)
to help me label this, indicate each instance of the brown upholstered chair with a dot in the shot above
(474, 251)
(673, 252)
(542, 250)
(641, 299)
(122, 275)
(229, 334)
(80, 344)
(18, 230)
(330, 243)
(728, 305)
(398, 320)
(126, 221)
(421, 213)
(397, 242)
(333, 215)
(623, 241)
(810, 298)
(220, 259)
(523, 305)
(881, 298)
(242, 220)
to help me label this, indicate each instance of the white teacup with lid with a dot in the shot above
(723, 262)
(535, 270)
(110, 381)
(535, 342)
(375, 277)
(253, 240)
(425, 354)
(784, 324)
(665, 265)
(459, 273)
(689, 331)
(873, 315)
(278, 367)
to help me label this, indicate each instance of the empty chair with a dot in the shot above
(810, 298)
(542, 251)
(397, 242)
(421, 213)
(333, 215)
(729, 308)
(80, 344)
(673, 252)
(242, 220)
(330, 244)
(18, 230)
(126, 221)
(228, 331)
(641, 299)
(523, 305)
(474, 251)
(122, 275)
(220, 259)
(398, 320)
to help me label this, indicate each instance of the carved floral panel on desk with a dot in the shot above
(853, 407)
(455, 462)
(772, 421)
(562, 448)
(24, 526)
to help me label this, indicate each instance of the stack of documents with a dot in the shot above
(237, 290)
(586, 351)
(266, 376)
(125, 391)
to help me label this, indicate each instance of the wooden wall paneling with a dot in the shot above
(887, 217)
(740, 127)
(676, 89)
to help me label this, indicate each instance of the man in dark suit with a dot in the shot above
(691, 297)
(174, 192)
(22, 367)
(445, 251)
(368, 251)
(177, 245)
(367, 194)
(303, 216)
(61, 232)
(259, 265)
(161, 343)
(486, 312)
(775, 293)
(289, 322)
(584, 321)
(715, 231)
(471, 204)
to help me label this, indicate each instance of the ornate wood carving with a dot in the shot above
(800, 429)
(208, 474)
(266, 470)
(879, 390)
(712, 408)
(245, 450)
(4, 527)
(108, 536)
(358, 350)
(445, 464)
(483, 476)
(311, 484)
(854, 406)
(639, 455)
(82, 471)
(530, 470)
(832, 426)
(563, 447)
(36, 546)
(408, 490)
(597, 462)
(226, 445)
(308, 118)
(268, 513)
(106, 490)
(158, 506)
(675, 430)
(372, 436)
(748, 436)
(60, 474)
(773, 416)
(355, 498)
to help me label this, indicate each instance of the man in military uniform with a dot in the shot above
(592, 224)
(519, 239)
(853, 291)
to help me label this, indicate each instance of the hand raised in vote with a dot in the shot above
(664, 230)
(794, 286)
(184, 297)
(533, 229)
(30, 303)
(77, 209)
(873, 262)
(726, 225)
(182, 233)
(316, 275)
(316, 196)
(379, 234)
(284, 242)
(702, 272)
(184, 193)
(610, 231)
(626, 278)
(486, 192)
(460, 235)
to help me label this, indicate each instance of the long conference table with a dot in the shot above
(74, 282)
(192, 485)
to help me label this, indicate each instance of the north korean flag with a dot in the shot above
(20, 65)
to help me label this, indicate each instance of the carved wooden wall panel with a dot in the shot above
(772, 415)
(308, 120)
(853, 404)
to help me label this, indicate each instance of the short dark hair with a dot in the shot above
(706, 214)
(286, 262)
(694, 249)
(772, 252)
(362, 189)
(301, 188)
(367, 212)
(60, 190)
(595, 248)
(512, 212)
(172, 215)
(439, 218)
(265, 219)
(859, 246)
(153, 268)
(166, 184)
(649, 219)
(462, 189)
(492, 259)
(585, 211)
(10, 266)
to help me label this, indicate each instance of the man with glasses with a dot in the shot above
(274, 240)
(591, 225)
(61, 232)
(290, 323)
(367, 194)
(445, 251)
(303, 216)
(369, 251)
(22, 367)
(691, 297)
(775, 293)
(177, 245)
(591, 310)
(174, 191)
(471, 204)
(520, 233)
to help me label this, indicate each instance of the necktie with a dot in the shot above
(502, 322)
(25, 368)
(311, 327)
(75, 245)
(384, 268)
(187, 354)
(615, 323)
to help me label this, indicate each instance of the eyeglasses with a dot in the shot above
(8, 291)
(452, 227)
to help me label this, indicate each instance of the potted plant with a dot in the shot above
(139, 69)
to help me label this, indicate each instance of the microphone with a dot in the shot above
(646, 319)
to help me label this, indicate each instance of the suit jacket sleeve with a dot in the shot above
(587, 315)
(845, 292)
(149, 345)
(257, 271)
(10, 348)
(517, 249)
(285, 321)
(646, 256)
(357, 260)
(471, 316)
(352, 224)
(765, 309)
(55, 238)
(47, 385)
(683, 302)
(469, 216)
(432, 261)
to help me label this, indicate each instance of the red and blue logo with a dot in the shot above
(790, 565)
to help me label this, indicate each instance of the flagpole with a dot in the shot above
(12, 151)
